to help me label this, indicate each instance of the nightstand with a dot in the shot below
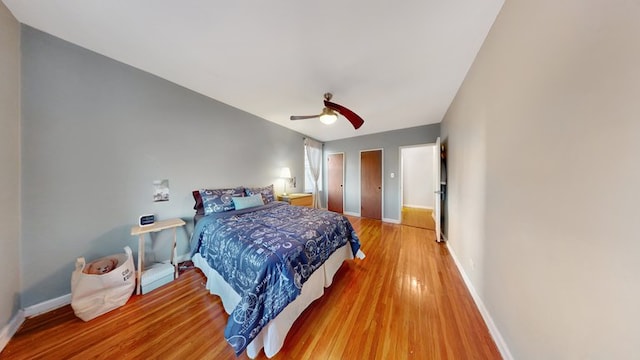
(297, 199)
(158, 226)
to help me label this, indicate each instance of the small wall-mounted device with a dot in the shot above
(146, 220)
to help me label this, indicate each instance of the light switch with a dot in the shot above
(393, 175)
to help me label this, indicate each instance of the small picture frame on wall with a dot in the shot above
(161, 190)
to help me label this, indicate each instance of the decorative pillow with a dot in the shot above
(247, 202)
(219, 200)
(266, 192)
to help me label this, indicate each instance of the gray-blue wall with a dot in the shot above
(390, 142)
(9, 170)
(96, 133)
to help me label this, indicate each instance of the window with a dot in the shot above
(308, 179)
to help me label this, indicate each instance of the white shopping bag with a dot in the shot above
(95, 294)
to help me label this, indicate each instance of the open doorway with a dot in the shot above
(416, 185)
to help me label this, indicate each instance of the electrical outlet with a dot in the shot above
(473, 264)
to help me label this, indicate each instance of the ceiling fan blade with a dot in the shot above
(353, 118)
(303, 117)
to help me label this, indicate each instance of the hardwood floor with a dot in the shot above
(406, 300)
(422, 218)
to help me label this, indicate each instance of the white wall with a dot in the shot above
(543, 146)
(9, 167)
(417, 176)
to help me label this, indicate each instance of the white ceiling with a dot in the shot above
(397, 64)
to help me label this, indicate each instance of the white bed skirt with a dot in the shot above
(272, 336)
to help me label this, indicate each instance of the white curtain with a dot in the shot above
(314, 157)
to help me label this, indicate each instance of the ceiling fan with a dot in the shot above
(330, 113)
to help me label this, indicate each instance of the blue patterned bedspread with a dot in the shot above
(266, 253)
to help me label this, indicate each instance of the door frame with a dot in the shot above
(436, 150)
(344, 170)
(401, 171)
(382, 218)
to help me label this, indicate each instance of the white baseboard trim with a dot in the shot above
(393, 221)
(182, 258)
(418, 206)
(11, 328)
(387, 220)
(495, 333)
(47, 306)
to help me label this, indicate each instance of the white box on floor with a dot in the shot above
(155, 276)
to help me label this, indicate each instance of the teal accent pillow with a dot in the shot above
(247, 201)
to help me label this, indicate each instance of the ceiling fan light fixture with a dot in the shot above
(328, 117)
(330, 114)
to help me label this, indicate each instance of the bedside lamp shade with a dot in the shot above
(285, 173)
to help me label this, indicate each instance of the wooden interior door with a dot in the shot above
(335, 179)
(371, 184)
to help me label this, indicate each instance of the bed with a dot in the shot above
(267, 260)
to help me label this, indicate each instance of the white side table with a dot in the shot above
(158, 226)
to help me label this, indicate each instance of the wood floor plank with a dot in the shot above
(418, 217)
(406, 300)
